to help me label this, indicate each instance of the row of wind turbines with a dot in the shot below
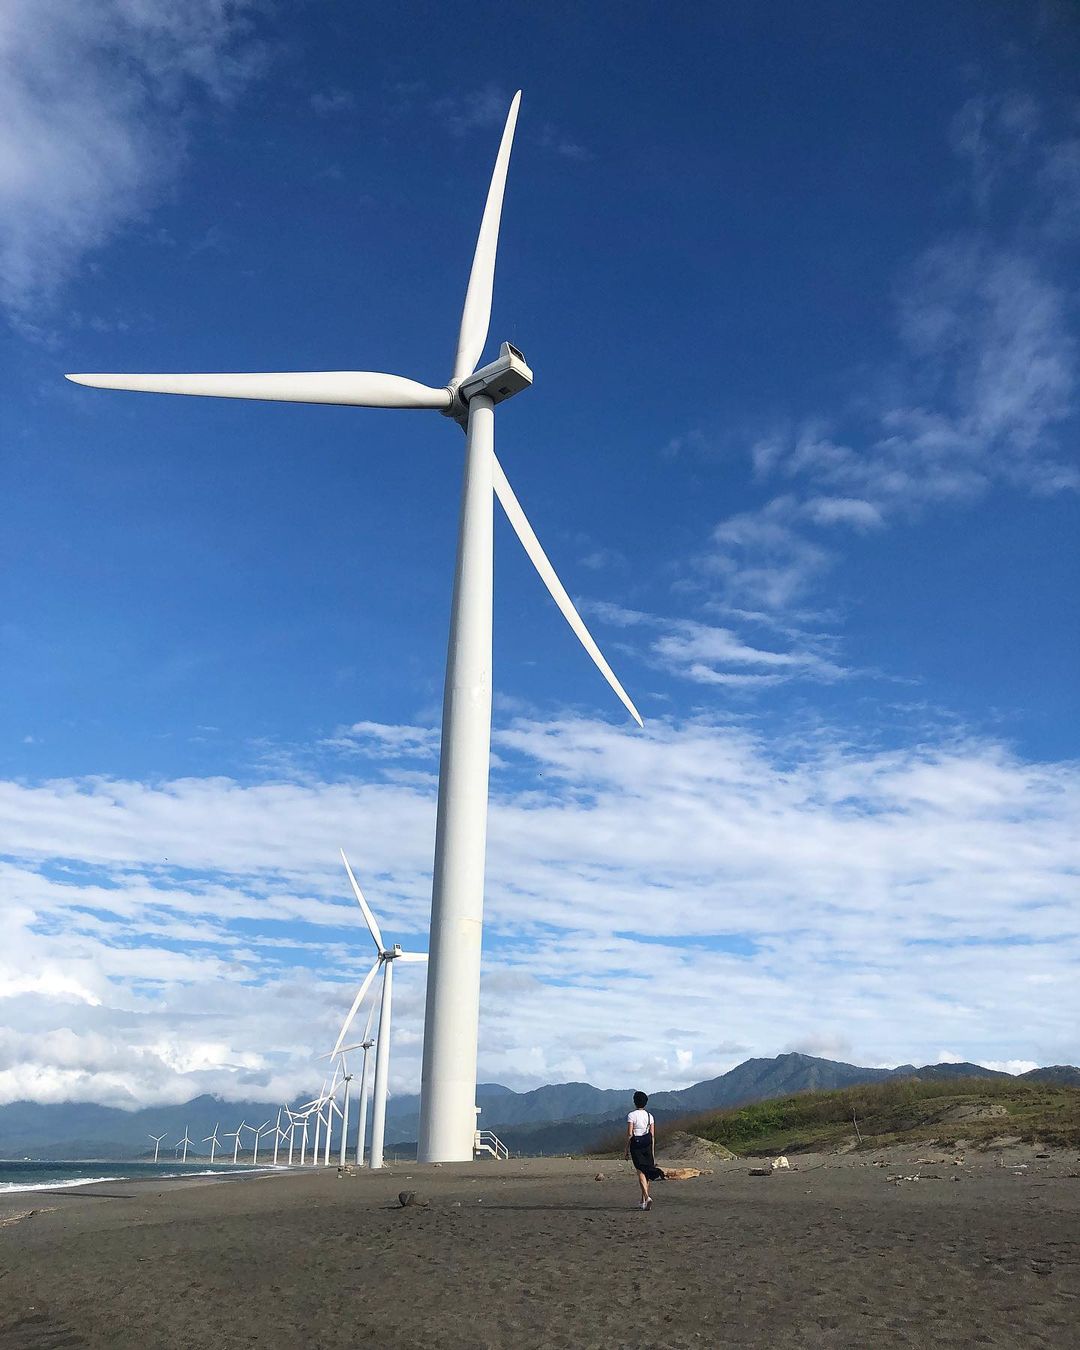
(325, 1107)
(469, 398)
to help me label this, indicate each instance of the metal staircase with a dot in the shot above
(486, 1142)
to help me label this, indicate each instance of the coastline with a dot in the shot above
(106, 1176)
(839, 1251)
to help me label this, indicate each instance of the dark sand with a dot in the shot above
(537, 1253)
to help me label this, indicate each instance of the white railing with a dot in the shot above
(486, 1142)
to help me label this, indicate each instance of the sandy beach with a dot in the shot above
(535, 1252)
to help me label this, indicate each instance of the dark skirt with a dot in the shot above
(641, 1155)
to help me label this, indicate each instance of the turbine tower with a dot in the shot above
(384, 961)
(451, 1025)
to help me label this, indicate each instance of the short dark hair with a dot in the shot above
(641, 1099)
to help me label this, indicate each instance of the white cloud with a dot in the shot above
(758, 558)
(380, 740)
(95, 102)
(853, 511)
(884, 901)
(696, 651)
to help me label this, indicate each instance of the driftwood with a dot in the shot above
(685, 1173)
(761, 1171)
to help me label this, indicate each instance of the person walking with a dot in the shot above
(640, 1140)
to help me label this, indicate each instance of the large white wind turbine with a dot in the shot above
(448, 1089)
(157, 1138)
(384, 961)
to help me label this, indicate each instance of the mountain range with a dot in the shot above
(558, 1118)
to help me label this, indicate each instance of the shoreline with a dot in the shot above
(16, 1189)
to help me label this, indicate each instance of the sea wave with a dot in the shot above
(15, 1187)
(7, 1187)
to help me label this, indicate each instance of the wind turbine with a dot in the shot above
(384, 960)
(331, 1107)
(157, 1138)
(214, 1143)
(361, 1130)
(451, 1028)
(235, 1135)
(346, 1078)
(262, 1129)
(291, 1132)
(185, 1141)
(302, 1116)
(255, 1130)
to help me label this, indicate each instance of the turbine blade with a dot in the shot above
(356, 1004)
(357, 388)
(476, 316)
(532, 547)
(370, 1019)
(373, 927)
(411, 956)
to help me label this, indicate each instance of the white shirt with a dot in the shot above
(640, 1122)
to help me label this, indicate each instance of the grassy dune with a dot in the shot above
(901, 1111)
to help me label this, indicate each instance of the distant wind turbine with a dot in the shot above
(214, 1143)
(157, 1138)
(448, 1088)
(346, 1078)
(384, 961)
(262, 1129)
(185, 1142)
(235, 1135)
(364, 1045)
(291, 1132)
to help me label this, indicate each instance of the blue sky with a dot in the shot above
(798, 286)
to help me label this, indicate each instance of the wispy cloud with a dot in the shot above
(328, 102)
(381, 740)
(95, 109)
(710, 654)
(982, 389)
(762, 558)
(472, 111)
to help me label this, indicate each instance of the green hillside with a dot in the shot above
(895, 1112)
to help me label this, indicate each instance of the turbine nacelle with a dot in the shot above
(499, 380)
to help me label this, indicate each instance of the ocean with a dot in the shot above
(30, 1175)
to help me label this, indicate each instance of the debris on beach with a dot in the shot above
(19, 1215)
(406, 1198)
(781, 1164)
(599, 1177)
(761, 1171)
(685, 1173)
